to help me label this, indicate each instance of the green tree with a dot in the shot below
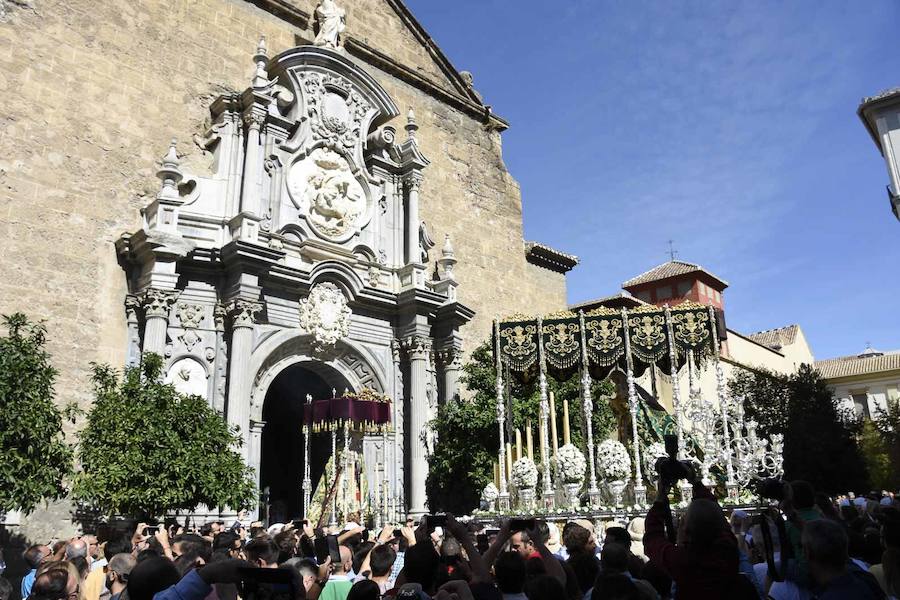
(876, 453)
(34, 457)
(820, 444)
(888, 424)
(147, 449)
(468, 436)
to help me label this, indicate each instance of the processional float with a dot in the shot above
(368, 413)
(594, 344)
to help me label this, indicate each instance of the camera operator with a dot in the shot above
(704, 563)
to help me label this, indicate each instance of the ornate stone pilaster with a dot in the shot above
(254, 450)
(451, 364)
(398, 504)
(221, 359)
(132, 322)
(157, 304)
(243, 314)
(418, 348)
(413, 246)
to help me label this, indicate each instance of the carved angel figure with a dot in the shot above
(332, 22)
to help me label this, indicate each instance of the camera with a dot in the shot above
(770, 489)
(432, 521)
(669, 468)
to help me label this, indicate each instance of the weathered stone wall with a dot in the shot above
(93, 91)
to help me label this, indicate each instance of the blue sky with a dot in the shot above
(729, 127)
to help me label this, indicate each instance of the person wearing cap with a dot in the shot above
(117, 572)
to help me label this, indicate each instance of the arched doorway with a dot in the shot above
(281, 461)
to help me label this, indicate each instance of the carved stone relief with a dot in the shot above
(188, 376)
(325, 315)
(328, 195)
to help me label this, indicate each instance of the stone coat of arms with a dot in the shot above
(325, 315)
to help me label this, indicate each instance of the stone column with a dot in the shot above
(398, 504)
(413, 250)
(452, 362)
(242, 313)
(418, 349)
(250, 193)
(156, 318)
(133, 341)
(254, 449)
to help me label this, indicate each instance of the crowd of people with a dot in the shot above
(808, 546)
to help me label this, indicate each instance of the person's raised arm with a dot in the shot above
(502, 537)
(553, 566)
(480, 571)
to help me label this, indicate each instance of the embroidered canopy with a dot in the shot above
(360, 413)
(651, 330)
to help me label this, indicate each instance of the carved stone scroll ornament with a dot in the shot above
(336, 112)
(332, 20)
(325, 315)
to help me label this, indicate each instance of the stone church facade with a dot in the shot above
(335, 213)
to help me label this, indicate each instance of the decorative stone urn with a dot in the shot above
(571, 491)
(616, 490)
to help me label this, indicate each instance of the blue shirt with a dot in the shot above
(191, 587)
(27, 583)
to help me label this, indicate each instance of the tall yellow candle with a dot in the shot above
(518, 444)
(529, 440)
(567, 438)
(509, 460)
(497, 474)
(553, 423)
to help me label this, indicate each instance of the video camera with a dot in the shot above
(669, 468)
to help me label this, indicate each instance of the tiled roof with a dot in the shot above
(673, 268)
(622, 298)
(848, 366)
(776, 338)
(895, 91)
(550, 258)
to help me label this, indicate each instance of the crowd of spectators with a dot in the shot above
(806, 546)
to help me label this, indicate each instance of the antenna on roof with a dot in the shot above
(672, 251)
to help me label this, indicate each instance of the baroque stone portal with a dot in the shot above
(328, 195)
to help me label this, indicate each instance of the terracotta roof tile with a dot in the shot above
(776, 338)
(673, 268)
(848, 366)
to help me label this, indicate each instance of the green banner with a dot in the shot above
(562, 342)
(519, 344)
(647, 334)
(691, 330)
(604, 338)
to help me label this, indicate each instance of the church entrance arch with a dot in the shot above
(287, 368)
(282, 445)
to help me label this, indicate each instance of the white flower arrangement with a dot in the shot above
(524, 474)
(490, 493)
(570, 464)
(652, 453)
(613, 461)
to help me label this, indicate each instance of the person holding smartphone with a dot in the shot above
(338, 585)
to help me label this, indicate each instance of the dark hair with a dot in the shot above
(52, 584)
(118, 543)
(364, 590)
(81, 564)
(146, 554)
(543, 531)
(804, 494)
(614, 557)
(33, 556)
(225, 540)
(825, 543)
(261, 548)
(618, 535)
(287, 544)
(614, 586)
(420, 566)
(544, 587)
(586, 567)
(360, 555)
(5, 589)
(509, 570)
(186, 563)
(151, 576)
(191, 543)
(381, 560)
(704, 523)
(575, 538)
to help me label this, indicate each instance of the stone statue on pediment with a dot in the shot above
(332, 21)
